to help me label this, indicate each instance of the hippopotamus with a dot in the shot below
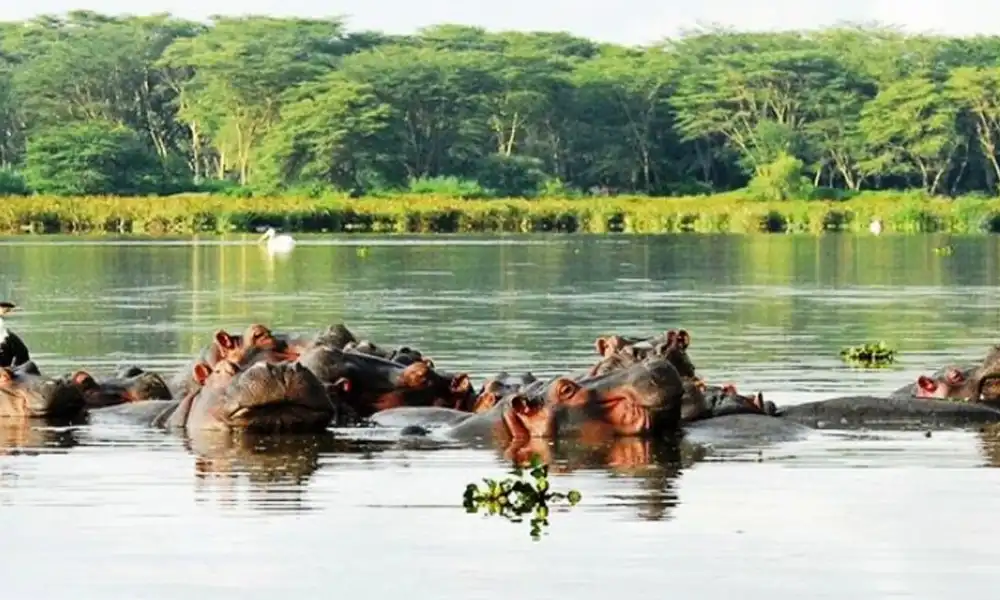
(13, 352)
(894, 412)
(366, 384)
(503, 384)
(403, 355)
(644, 399)
(264, 397)
(24, 393)
(977, 382)
(256, 343)
(131, 384)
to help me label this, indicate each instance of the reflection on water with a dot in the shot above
(151, 514)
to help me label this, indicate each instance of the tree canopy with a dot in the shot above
(91, 103)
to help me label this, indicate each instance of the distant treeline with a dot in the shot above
(93, 104)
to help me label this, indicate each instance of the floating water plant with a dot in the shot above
(516, 496)
(869, 355)
(944, 250)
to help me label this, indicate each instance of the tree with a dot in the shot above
(97, 157)
(326, 134)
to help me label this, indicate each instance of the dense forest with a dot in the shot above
(93, 104)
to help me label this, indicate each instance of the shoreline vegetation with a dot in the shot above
(733, 213)
(158, 125)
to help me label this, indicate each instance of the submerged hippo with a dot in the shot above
(264, 397)
(894, 412)
(642, 400)
(26, 394)
(366, 384)
(131, 384)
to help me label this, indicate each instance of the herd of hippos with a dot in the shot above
(274, 383)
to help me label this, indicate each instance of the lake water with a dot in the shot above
(100, 513)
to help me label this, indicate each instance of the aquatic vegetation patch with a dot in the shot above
(516, 496)
(877, 354)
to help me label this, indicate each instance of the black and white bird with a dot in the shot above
(13, 352)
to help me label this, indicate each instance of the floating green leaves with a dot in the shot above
(944, 250)
(516, 496)
(869, 355)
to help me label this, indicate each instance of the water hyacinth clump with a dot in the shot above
(878, 354)
(516, 496)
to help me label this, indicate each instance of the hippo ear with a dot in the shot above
(671, 337)
(601, 345)
(565, 390)
(683, 339)
(83, 379)
(6, 376)
(201, 372)
(460, 384)
(758, 401)
(927, 384)
(729, 389)
(415, 376)
(224, 340)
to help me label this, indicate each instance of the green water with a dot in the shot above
(126, 514)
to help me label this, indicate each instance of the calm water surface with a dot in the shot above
(116, 512)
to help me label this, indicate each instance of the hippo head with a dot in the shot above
(491, 394)
(675, 349)
(265, 397)
(644, 398)
(337, 336)
(606, 346)
(365, 384)
(256, 343)
(953, 384)
(26, 394)
(140, 385)
(259, 336)
(726, 400)
(405, 355)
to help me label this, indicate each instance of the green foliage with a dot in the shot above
(869, 355)
(447, 186)
(93, 157)
(12, 183)
(780, 179)
(511, 176)
(267, 105)
(516, 496)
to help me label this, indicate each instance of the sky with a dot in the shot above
(621, 21)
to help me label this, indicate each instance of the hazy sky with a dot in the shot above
(623, 21)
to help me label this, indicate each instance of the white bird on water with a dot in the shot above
(876, 226)
(277, 244)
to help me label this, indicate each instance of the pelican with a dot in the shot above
(876, 226)
(13, 352)
(277, 244)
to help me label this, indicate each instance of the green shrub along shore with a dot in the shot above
(733, 213)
